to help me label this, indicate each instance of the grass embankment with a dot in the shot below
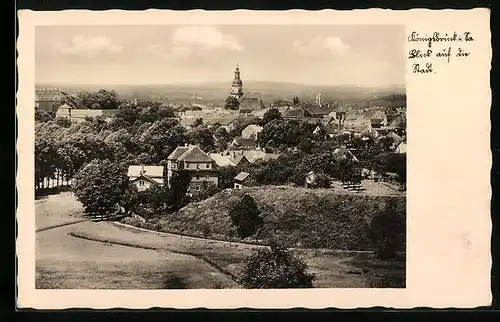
(299, 217)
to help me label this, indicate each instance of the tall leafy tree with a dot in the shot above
(271, 115)
(100, 186)
(245, 215)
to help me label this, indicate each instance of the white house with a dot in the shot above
(145, 176)
(251, 131)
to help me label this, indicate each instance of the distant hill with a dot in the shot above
(315, 218)
(215, 93)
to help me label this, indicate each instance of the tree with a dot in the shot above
(207, 190)
(63, 121)
(198, 122)
(179, 185)
(387, 231)
(42, 115)
(275, 268)
(271, 115)
(322, 180)
(305, 145)
(296, 101)
(231, 103)
(99, 186)
(226, 176)
(245, 216)
(203, 137)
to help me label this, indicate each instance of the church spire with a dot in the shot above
(237, 85)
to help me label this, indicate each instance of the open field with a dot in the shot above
(156, 261)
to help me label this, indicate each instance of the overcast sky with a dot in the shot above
(319, 55)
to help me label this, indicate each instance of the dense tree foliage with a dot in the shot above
(179, 185)
(276, 268)
(246, 216)
(231, 103)
(100, 186)
(385, 231)
(271, 115)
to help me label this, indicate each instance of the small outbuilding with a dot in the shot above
(239, 180)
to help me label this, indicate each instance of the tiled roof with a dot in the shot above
(251, 103)
(244, 142)
(152, 171)
(297, 112)
(318, 110)
(237, 159)
(252, 155)
(177, 152)
(374, 114)
(253, 127)
(194, 154)
(249, 119)
(224, 121)
(222, 160)
(241, 176)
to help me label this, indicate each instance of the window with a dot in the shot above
(208, 177)
(198, 188)
(197, 177)
(208, 165)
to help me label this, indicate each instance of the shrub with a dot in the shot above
(275, 268)
(245, 216)
(385, 231)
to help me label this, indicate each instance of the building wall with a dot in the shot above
(142, 184)
(238, 185)
(250, 133)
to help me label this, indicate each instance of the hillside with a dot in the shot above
(297, 216)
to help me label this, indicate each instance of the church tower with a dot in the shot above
(237, 86)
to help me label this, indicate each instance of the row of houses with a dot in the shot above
(202, 166)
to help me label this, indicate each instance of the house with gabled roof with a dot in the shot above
(199, 164)
(250, 104)
(145, 176)
(229, 159)
(251, 131)
(243, 143)
(301, 114)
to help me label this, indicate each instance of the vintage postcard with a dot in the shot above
(261, 159)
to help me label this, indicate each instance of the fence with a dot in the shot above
(48, 183)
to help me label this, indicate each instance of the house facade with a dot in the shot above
(80, 115)
(199, 164)
(251, 131)
(244, 144)
(145, 177)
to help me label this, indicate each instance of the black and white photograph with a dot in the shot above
(220, 156)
